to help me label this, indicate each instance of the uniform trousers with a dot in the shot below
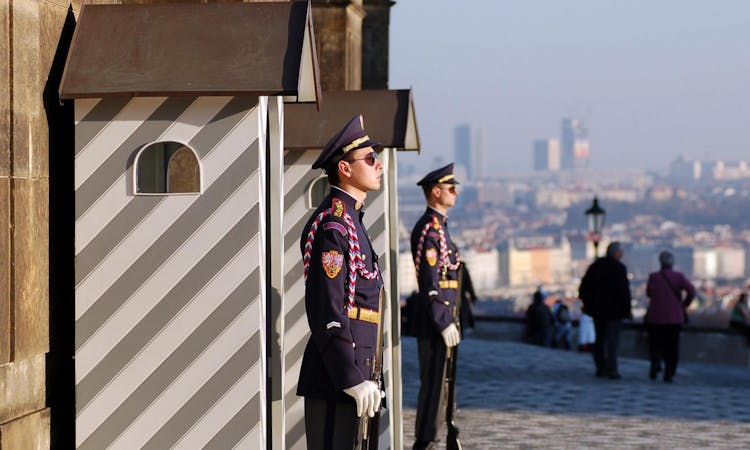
(432, 352)
(664, 343)
(330, 424)
(606, 345)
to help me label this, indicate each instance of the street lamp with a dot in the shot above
(595, 224)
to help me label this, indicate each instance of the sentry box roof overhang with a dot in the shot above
(388, 115)
(193, 49)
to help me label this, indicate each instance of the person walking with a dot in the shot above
(666, 314)
(605, 292)
(437, 264)
(342, 289)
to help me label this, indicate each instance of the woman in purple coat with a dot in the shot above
(666, 314)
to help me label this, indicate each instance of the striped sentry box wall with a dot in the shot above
(298, 176)
(170, 292)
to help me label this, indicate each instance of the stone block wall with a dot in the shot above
(375, 41)
(697, 344)
(30, 31)
(338, 42)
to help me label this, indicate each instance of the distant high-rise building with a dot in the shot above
(547, 154)
(468, 151)
(682, 169)
(575, 144)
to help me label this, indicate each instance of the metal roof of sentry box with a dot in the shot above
(388, 115)
(193, 49)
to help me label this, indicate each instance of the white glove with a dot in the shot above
(367, 395)
(451, 336)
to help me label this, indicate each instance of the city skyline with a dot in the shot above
(651, 81)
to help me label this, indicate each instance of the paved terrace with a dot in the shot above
(514, 395)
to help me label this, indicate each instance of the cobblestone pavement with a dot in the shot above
(513, 395)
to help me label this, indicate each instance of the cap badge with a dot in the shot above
(355, 143)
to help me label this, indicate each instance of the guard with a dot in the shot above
(437, 262)
(342, 286)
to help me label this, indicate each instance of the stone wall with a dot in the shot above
(697, 344)
(338, 42)
(30, 34)
(375, 41)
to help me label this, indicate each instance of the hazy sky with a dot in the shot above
(651, 79)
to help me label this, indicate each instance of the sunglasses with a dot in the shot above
(369, 159)
(451, 188)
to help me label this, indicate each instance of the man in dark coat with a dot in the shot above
(605, 292)
(437, 263)
(342, 286)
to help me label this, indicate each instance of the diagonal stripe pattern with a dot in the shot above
(170, 298)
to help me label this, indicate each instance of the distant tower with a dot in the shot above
(468, 150)
(683, 169)
(575, 144)
(546, 155)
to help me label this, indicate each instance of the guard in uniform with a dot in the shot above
(437, 262)
(342, 286)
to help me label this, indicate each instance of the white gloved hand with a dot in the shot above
(451, 336)
(367, 395)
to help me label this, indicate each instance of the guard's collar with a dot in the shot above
(347, 198)
(442, 216)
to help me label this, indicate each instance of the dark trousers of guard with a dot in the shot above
(330, 424)
(606, 346)
(664, 343)
(432, 353)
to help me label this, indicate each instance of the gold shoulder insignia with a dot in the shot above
(338, 208)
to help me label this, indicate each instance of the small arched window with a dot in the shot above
(317, 191)
(167, 168)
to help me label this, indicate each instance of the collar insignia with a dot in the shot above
(338, 208)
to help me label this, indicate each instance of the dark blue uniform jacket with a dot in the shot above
(435, 304)
(335, 355)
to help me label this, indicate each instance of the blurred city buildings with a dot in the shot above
(533, 260)
(519, 231)
(686, 170)
(468, 152)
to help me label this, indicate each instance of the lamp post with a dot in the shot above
(595, 224)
